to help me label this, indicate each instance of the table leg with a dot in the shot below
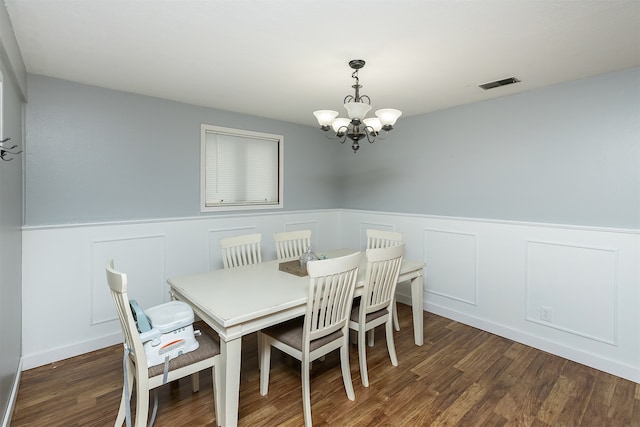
(417, 295)
(231, 358)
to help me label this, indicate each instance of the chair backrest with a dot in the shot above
(118, 284)
(331, 286)
(291, 244)
(241, 250)
(381, 278)
(382, 239)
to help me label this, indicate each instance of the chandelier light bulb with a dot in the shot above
(357, 110)
(374, 123)
(325, 117)
(340, 125)
(388, 116)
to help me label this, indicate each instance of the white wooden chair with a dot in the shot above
(291, 244)
(384, 239)
(374, 307)
(323, 328)
(241, 250)
(147, 378)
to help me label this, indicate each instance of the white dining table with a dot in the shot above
(238, 301)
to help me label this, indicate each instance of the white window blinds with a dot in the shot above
(241, 168)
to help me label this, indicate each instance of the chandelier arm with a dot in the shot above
(370, 133)
(361, 98)
(330, 135)
(341, 135)
(383, 134)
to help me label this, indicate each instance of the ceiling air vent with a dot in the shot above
(498, 83)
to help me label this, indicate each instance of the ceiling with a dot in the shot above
(283, 59)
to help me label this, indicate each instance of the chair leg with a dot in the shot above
(195, 382)
(122, 412)
(306, 392)
(346, 370)
(395, 316)
(362, 355)
(217, 389)
(265, 362)
(370, 336)
(142, 404)
(259, 337)
(390, 344)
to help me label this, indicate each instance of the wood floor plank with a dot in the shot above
(584, 380)
(553, 405)
(459, 407)
(635, 415)
(461, 376)
(484, 410)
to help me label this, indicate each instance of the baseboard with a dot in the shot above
(614, 368)
(611, 367)
(404, 299)
(34, 360)
(13, 397)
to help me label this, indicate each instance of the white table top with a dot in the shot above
(233, 296)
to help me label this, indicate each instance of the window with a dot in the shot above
(240, 169)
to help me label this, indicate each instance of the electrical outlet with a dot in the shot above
(545, 313)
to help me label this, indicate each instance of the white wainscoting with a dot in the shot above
(67, 309)
(499, 276)
(572, 291)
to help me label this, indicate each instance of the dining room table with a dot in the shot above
(239, 301)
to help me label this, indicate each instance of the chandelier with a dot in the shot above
(357, 127)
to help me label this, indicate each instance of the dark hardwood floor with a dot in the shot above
(462, 376)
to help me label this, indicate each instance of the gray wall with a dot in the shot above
(566, 154)
(95, 154)
(10, 236)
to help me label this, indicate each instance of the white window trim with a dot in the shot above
(204, 129)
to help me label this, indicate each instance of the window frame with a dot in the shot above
(207, 129)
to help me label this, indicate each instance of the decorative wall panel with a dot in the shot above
(142, 258)
(451, 259)
(572, 288)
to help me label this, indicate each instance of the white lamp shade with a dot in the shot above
(357, 110)
(388, 116)
(373, 123)
(340, 122)
(325, 117)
